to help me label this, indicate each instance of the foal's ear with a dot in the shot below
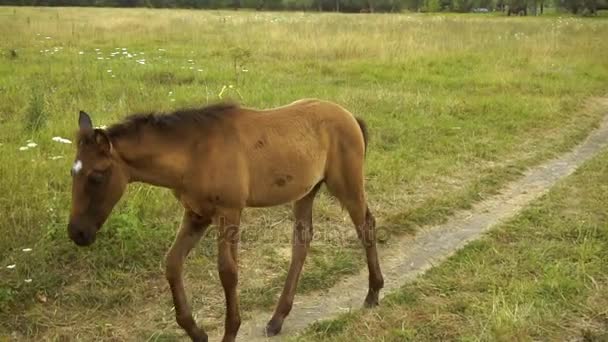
(102, 140)
(84, 121)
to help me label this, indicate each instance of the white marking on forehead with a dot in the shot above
(77, 167)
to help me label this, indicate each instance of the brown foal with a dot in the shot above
(219, 160)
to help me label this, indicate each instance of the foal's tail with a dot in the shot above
(364, 130)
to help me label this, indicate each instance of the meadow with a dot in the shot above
(457, 105)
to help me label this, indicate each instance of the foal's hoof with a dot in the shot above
(273, 328)
(199, 336)
(371, 300)
(202, 338)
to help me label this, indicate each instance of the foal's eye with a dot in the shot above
(96, 177)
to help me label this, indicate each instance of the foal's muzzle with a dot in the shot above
(80, 235)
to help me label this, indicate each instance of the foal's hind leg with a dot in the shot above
(192, 228)
(302, 235)
(347, 185)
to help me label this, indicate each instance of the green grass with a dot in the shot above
(541, 276)
(456, 105)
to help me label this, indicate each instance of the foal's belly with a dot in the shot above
(279, 181)
(279, 190)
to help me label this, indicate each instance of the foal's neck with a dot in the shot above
(149, 158)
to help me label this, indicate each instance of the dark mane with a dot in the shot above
(186, 117)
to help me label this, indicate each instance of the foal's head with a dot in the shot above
(98, 182)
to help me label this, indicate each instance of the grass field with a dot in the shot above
(542, 276)
(456, 105)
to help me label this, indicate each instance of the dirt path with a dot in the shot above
(407, 257)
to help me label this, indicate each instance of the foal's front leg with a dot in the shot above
(191, 230)
(227, 244)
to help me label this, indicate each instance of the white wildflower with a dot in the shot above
(10, 267)
(62, 140)
(27, 250)
(32, 145)
(28, 280)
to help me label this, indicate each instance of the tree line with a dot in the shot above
(509, 7)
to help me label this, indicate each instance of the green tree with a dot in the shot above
(462, 5)
(432, 5)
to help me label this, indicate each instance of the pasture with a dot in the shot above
(457, 106)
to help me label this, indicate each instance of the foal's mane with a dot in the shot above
(186, 117)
